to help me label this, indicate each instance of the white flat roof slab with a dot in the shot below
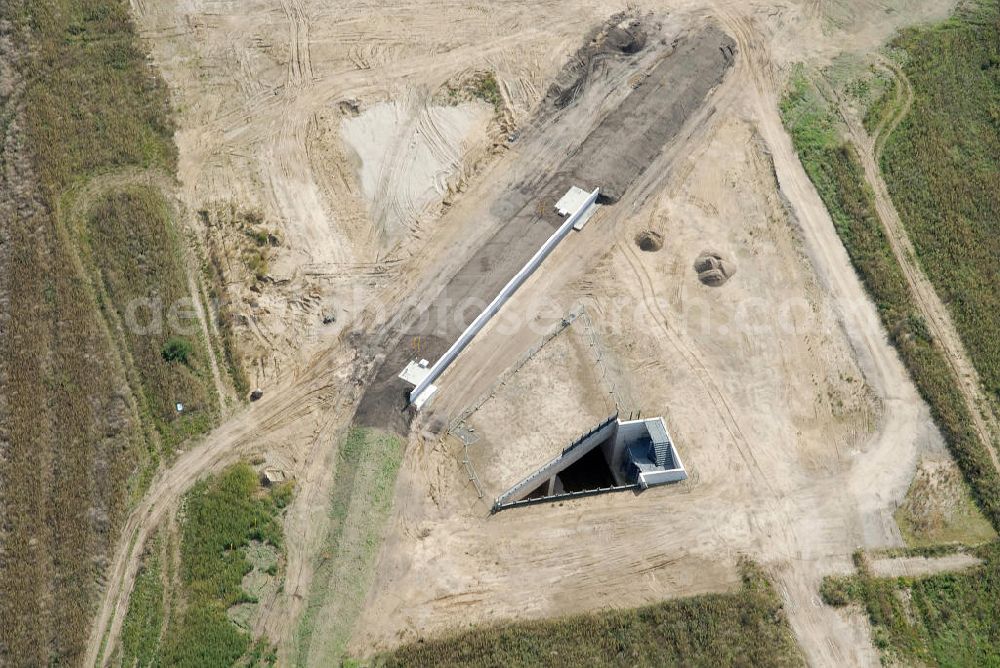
(415, 372)
(571, 201)
(591, 210)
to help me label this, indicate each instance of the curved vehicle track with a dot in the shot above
(81, 197)
(925, 297)
(690, 356)
(313, 395)
(819, 629)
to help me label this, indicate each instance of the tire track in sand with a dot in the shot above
(299, 56)
(694, 362)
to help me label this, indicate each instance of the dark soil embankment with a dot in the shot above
(629, 139)
(611, 157)
(616, 38)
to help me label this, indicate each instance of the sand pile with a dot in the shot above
(713, 269)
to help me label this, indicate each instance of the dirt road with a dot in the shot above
(933, 310)
(313, 404)
(819, 630)
(909, 567)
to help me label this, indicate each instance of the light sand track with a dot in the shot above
(300, 59)
(901, 106)
(920, 566)
(815, 626)
(933, 310)
(250, 83)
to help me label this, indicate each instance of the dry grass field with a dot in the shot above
(87, 411)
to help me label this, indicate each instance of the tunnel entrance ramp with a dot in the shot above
(615, 455)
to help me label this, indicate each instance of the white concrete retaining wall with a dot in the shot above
(501, 299)
(650, 478)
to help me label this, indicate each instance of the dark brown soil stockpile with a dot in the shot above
(713, 269)
(631, 137)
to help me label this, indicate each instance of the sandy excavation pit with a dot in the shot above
(649, 241)
(409, 159)
(713, 268)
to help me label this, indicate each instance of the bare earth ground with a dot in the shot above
(915, 566)
(795, 459)
(792, 412)
(556, 396)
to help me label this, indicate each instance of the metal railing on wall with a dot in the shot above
(456, 425)
(542, 470)
(568, 320)
(605, 375)
(498, 505)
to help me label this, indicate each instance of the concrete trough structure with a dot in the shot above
(639, 453)
(419, 396)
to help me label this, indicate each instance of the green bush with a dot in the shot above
(144, 621)
(486, 88)
(176, 349)
(222, 515)
(837, 591)
(942, 168)
(138, 258)
(948, 619)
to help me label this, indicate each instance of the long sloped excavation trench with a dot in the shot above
(655, 81)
